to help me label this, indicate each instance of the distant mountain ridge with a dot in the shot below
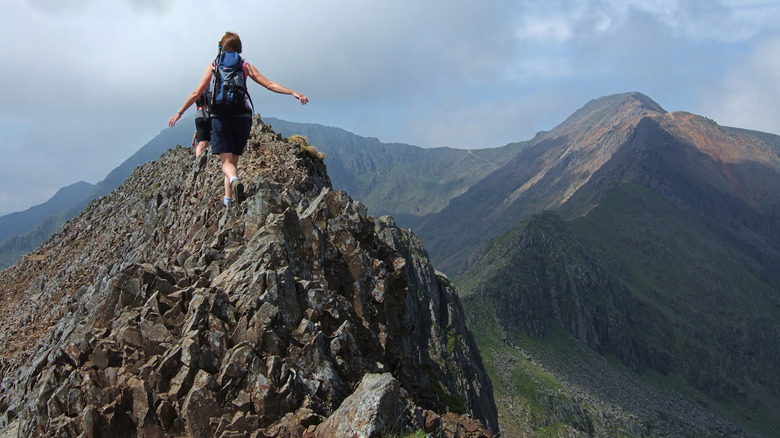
(566, 169)
(540, 177)
(417, 184)
(21, 222)
(405, 180)
(649, 237)
(27, 230)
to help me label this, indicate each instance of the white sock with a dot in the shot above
(233, 178)
(228, 200)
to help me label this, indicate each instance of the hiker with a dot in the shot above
(231, 124)
(202, 134)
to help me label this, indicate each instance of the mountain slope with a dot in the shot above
(719, 302)
(22, 222)
(43, 220)
(663, 259)
(542, 176)
(669, 298)
(541, 311)
(727, 176)
(730, 175)
(407, 181)
(156, 311)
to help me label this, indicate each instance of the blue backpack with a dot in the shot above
(230, 94)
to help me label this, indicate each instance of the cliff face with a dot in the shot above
(157, 311)
(663, 258)
(667, 309)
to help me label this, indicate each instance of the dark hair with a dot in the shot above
(230, 42)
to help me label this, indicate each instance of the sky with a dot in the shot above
(87, 83)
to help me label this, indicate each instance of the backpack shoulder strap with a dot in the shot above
(246, 84)
(246, 92)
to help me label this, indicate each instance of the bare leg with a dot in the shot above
(201, 146)
(229, 169)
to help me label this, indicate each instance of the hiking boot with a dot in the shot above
(238, 190)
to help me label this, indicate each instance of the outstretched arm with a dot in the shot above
(273, 86)
(202, 86)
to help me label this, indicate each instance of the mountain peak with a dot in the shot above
(610, 110)
(605, 142)
(635, 96)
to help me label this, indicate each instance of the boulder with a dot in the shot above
(374, 410)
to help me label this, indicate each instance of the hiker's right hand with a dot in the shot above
(174, 119)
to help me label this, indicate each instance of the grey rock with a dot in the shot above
(259, 320)
(375, 409)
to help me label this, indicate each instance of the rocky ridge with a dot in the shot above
(158, 312)
(566, 297)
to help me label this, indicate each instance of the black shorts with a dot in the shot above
(202, 129)
(230, 134)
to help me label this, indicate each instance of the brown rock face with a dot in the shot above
(159, 312)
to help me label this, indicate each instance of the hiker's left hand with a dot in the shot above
(304, 100)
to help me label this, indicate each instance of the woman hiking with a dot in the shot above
(202, 136)
(231, 114)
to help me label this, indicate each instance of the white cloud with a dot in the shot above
(567, 21)
(749, 94)
(58, 7)
(91, 81)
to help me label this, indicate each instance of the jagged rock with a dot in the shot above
(376, 407)
(453, 425)
(257, 320)
(200, 405)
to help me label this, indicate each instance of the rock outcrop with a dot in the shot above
(159, 312)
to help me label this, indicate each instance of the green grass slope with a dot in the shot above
(722, 305)
(655, 291)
